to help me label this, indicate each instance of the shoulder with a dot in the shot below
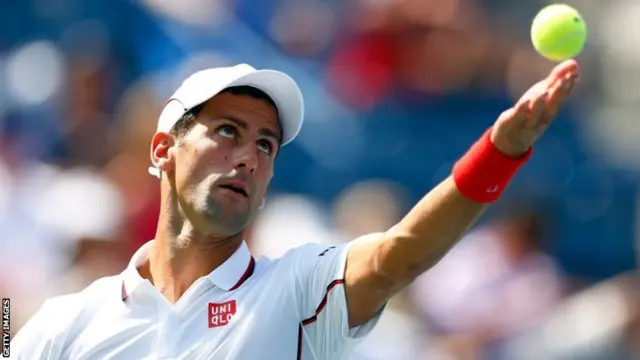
(96, 291)
(299, 262)
(299, 255)
(314, 261)
(62, 312)
(312, 251)
(47, 332)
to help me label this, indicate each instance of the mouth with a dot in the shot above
(237, 187)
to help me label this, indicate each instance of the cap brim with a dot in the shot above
(284, 92)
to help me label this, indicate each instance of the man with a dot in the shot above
(195, 292)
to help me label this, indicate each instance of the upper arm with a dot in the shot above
(380, 265)
(366, 288)
(33, 340)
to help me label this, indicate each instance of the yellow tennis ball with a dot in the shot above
(558, 32)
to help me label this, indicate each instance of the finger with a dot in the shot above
(563, 69)
(573, 80)
(520, 113)
(563, 89)
(552, 108)
(558, 93)
(557, 97)
(515, 116)
(558, 81)
(522, 109)
(537, 110)
(531, 94)
(557, 74)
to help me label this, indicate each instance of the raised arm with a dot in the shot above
(379, 265)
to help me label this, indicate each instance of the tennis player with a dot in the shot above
(195, 291)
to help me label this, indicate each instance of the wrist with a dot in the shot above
(484, 172)
(507, 148)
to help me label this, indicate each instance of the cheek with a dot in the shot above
(264, 179)
(191, 166)
(211, 157)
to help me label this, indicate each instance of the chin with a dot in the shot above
(227, 220)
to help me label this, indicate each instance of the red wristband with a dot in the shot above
(483, 172)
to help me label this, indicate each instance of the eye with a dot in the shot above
(227, 131)
(265, 146)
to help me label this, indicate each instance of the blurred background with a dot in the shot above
(396, 90)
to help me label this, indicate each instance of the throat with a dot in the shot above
(173, 270)
(169, 280)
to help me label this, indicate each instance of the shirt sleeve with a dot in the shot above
(33, 341)
(324, 329)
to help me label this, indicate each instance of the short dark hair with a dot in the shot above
(186, 123)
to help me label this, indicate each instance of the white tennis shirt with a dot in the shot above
(290, 308)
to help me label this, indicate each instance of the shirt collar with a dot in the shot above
(228, 276)
(235, 270)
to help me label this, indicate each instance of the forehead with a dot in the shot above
(252, 110)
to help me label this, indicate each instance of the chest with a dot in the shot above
(259, 325)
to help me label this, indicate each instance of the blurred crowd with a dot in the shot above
(395, 91)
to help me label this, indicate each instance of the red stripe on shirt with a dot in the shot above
(314, 318)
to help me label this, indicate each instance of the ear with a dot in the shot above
(162, 151)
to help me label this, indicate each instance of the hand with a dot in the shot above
(520, 126)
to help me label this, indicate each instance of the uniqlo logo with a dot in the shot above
(221, 313)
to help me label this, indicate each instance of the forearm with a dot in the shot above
(442, 217)
(427, 232)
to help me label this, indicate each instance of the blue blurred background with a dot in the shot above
(395, 90)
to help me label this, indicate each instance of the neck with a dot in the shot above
(180, 256)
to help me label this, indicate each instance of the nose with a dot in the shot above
(246, 158)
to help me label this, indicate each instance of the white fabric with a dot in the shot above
(203, 85)
(271, 307)
(225, 276)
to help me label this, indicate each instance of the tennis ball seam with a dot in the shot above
(562, 41)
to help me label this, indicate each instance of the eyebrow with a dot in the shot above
(263, 131)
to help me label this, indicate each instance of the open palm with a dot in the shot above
(520, 126)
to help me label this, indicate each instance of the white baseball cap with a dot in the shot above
(203, 85)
